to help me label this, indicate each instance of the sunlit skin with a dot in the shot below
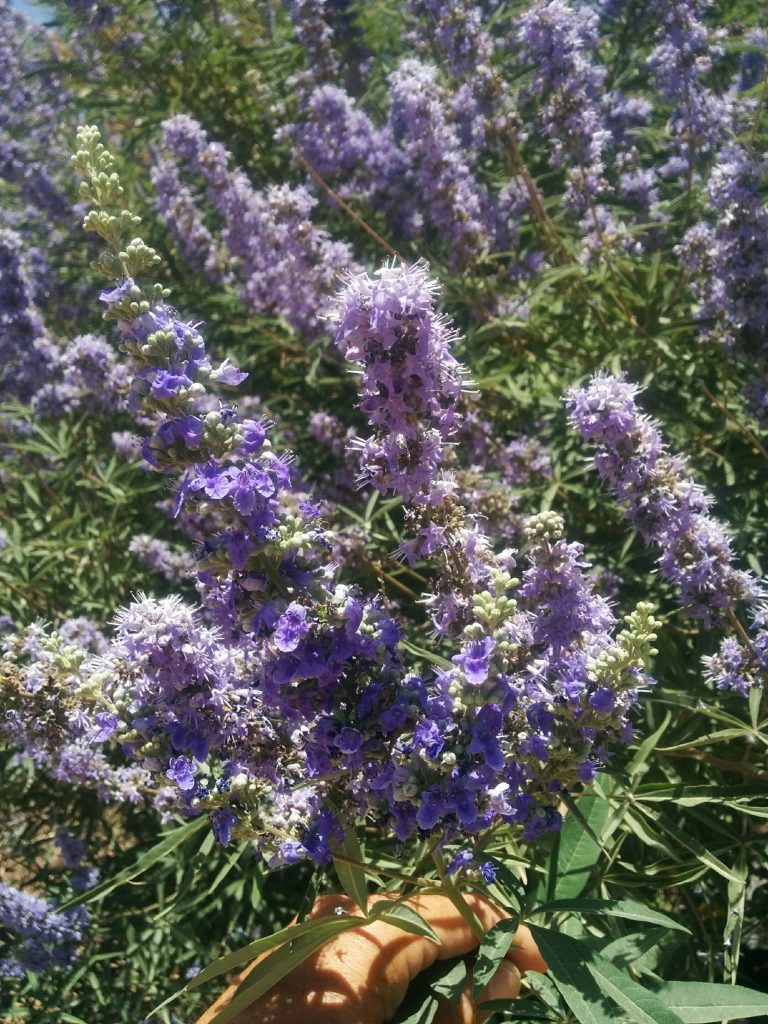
(361, 977)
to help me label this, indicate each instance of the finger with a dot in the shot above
(454, 935)
(448, 1013)
(505, 984)
(525, 954)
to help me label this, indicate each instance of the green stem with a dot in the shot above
(449, 888)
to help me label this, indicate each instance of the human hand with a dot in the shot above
(361, 976)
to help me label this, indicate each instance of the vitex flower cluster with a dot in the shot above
(283, 708)
(32, 98)
(685, 52)
(285, 264)
(43, 938)
(662, 500)
(726, 260)
(27, 352)
(670, 511)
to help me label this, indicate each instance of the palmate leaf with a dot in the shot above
(592, 986)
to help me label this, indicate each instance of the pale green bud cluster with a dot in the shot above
(128, 256)
(631, 651)
(492, 607)
(544, 526)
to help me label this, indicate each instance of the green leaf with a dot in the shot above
(698, 849)
(282, 962)
(521, 1009)
(692, 796)
(167, 845)
(587, 982)
(575, 852)
(700, 1002)
(444, 978)
(627, 909)
(404, 917)
(755, 699)
(631, 950)
(734, 922)
(648, 745)
(573, 981)
(434, 659)
(350, 874)
(452, 983)
(493, 949)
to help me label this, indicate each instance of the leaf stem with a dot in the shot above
(454, 895)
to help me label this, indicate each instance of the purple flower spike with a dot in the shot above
(664, 504)
(411, 382)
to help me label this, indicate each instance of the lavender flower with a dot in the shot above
(337, 137)
(181, 214)
(84, 634)
(456, 28)
(411, 381)
(686, 50)
(536, 680)
(557, 41)
(73, 852)
(752, 65)
(726, 261)
(50, 716)
(158, 555)
(738, 665)
(28, 356)
(460, 210)
(286, 712)
(287, 266)
(45, 938)
(84, 376)
(663, 502)
(33, 103)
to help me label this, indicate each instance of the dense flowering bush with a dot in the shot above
(301, 559)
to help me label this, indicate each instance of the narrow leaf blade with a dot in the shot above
(245, 954)
(404, 917)
(274, 967)
(493, 949)
(167, 845)
(700, 1002)
(627, 909)
(350, 874)
(572, 962)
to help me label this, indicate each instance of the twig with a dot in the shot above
(760, 448)
(316, 176)
(449, 888)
